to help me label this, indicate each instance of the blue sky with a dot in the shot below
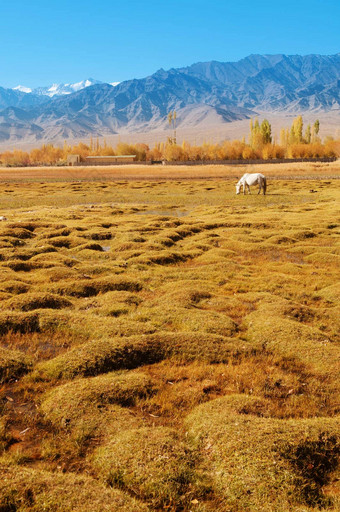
(66, 41)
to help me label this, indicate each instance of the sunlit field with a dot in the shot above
(166, 344)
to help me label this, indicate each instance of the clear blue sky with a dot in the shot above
(66, 41)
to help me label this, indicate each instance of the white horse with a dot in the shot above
(252, 179)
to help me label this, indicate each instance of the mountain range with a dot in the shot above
(203, 93)
(59, 89)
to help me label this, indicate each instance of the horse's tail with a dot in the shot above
(264, 185)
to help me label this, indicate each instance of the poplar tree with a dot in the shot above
(298, 126)
(283, 137)
(266, 132)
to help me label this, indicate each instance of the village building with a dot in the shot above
(73, 160)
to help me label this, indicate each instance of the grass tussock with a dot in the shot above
(32, 301)
(263, 463)
(151, 463)
(18, 322)
(95, 357)
(14, 287)
(101, 356)
(72, 399)
(44, 261)
(34, 489)
(13, 364)
(293, 339)
(20, 266)
(90, 288)
(16, 232)
(330, 293)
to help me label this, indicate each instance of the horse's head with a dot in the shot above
(238, 186)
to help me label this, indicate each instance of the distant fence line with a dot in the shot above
(218, 162)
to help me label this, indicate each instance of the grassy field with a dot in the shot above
(166, 344)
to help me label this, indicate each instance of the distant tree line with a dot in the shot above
(294, 142)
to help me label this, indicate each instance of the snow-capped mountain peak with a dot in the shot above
(22, 88)
(61, 89)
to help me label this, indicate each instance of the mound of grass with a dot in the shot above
(65, 241)
(13, 364)
(102, 356)
(52, 260)
(263, 463)
(184, 293)
(98, 234)
(92, 408)
(57, 232)
(17, 232)
(323, 258)
(56, 274)
(38, 490)
(204, 321)
(117, 298)
(21, 266)
(14, 287)
(18, 322)
(304, 234)
(90, 247)
(74, 398)
(95, 357)
(166, 257)
(31, 301)
(5, 437)
(151, 463)
(292, 339)
(281, 240)
(330, 293)
(90, 288)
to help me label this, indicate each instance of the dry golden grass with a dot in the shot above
(34, 489)
(262, 463)
(131, 171)
(169, 338)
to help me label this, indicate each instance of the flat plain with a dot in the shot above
(166, 344)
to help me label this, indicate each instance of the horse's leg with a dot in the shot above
(244, 188)
(248, 188)
(260, 186)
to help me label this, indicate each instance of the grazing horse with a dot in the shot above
(252, 179)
